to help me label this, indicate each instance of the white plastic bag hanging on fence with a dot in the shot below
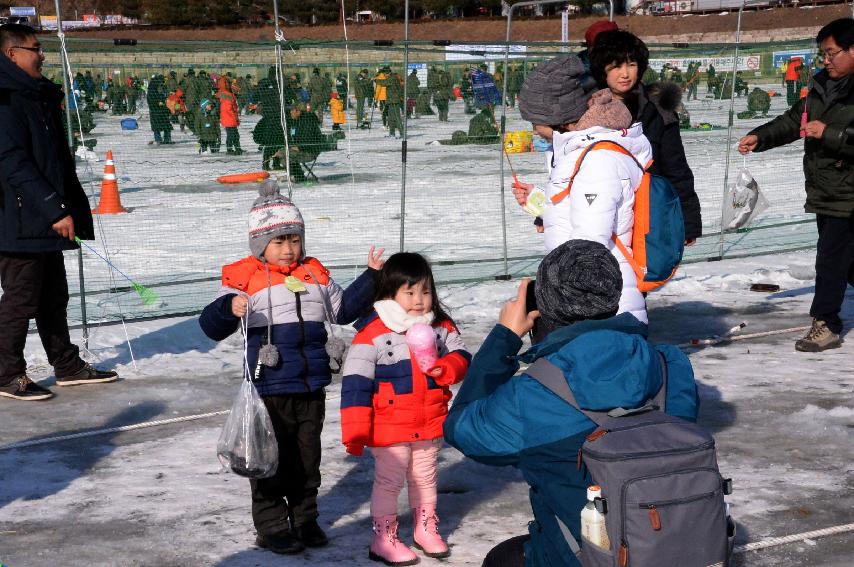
(247, 444)
(744, 202)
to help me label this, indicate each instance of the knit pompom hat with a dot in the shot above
(580, 279)
(556, 92)
(273, 215)
(606, 111)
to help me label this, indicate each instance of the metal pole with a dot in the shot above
(65, 78)
(729, 125)
(280, 76)
(405, 121)
(66, 81)
(503, 122)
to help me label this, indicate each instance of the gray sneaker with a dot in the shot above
(818, 338)
(25, 390)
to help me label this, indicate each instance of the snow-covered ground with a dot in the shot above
(157, 496)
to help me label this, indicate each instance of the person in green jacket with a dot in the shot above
(482, 129)
(444, 93)
(758, 103)
(317, 93)
(412, 89)
(394, 99)
(207, 127)
(828, 112)
(467, 92)
(364, 91)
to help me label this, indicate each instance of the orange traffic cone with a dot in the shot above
(109, 204)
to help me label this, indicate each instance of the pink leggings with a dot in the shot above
(414, 462)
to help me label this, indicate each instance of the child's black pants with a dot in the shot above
(292, 492)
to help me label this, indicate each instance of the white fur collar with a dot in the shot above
(395, 318)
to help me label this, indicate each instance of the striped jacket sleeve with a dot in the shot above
(357, 392)
(451, 368)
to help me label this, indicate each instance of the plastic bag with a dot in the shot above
(247, 444)
(744, 202)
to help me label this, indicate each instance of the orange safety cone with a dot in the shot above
(109, 204)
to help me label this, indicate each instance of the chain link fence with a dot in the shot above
(366, 187)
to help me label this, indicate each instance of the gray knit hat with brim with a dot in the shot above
(578, 280)
(556, 92)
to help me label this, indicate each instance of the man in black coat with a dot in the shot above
(42, 208)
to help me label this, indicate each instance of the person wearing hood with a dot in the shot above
(558, 98)
(825, 120)
(43, 209)
(501, 419)
(618, 62)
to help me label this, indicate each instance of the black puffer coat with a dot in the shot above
(655, 107)
(38, 181)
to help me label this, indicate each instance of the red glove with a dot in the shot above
(449, 369)
(355, 449)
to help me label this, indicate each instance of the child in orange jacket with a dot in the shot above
(336, 107)
(390, 404)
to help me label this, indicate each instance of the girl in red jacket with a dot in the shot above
(390, 404)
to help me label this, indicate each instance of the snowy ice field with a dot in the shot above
(157, 496)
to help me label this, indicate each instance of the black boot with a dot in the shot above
(311, 535)
(285, 543)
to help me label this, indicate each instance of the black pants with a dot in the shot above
(834, 268)
(232, 139)
(34, 287)
(509, 553)
(292, 492)
(268, 154)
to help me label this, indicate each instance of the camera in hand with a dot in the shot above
(530, 297)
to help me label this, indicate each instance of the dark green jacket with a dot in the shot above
(829, 162)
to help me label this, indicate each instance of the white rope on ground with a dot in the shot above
(718, 340)
(347, 97)
(775, 541)
(118, 429)
(66, 61)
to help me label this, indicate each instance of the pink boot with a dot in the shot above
(427, 537)
(386, 547)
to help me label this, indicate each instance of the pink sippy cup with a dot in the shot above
(422, 342)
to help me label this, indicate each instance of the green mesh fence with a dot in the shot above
(453, 204)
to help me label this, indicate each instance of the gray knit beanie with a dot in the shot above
(556, 92)
(580, 279)
(273, 215)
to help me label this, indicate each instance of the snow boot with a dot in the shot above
(818, 338)
(426, 535)
(386, 546)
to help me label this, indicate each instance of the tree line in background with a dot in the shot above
(224, 12)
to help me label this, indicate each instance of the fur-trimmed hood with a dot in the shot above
(666, 96)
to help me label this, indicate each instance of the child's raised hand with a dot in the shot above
(521, 191)
(239, 305)
(375, 259)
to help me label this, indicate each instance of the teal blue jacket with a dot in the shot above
(500, 419)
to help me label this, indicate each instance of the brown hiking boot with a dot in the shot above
(818, 338)
(25, 390)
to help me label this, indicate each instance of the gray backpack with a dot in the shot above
(662, 493)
